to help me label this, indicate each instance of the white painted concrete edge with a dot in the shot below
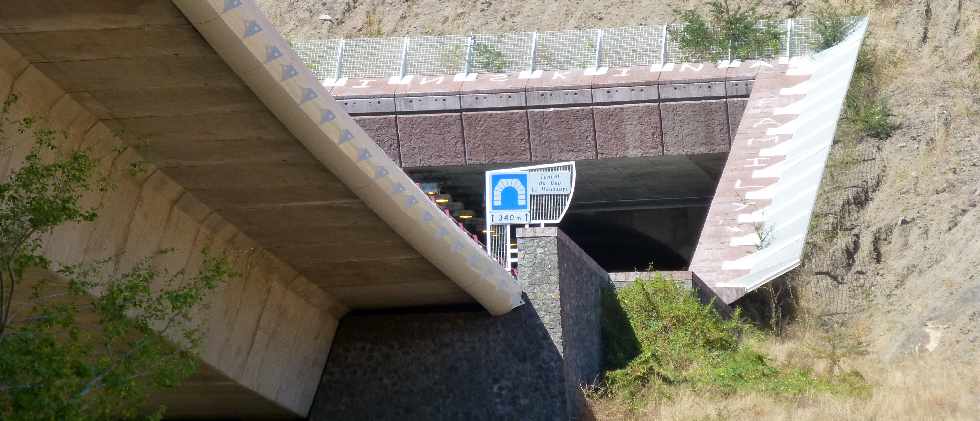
(805, 157)
(258, 53)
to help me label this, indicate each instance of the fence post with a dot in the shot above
(469, 56)
(339, 70)
(789, 38)
(598, 48)
(534, 51)
(663, 46)
(404, 65)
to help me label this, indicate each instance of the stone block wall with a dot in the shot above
(461, 363)
(450, 364)
(639, 111)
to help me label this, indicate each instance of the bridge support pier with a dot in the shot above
(461, 363)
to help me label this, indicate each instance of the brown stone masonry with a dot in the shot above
(639, 111)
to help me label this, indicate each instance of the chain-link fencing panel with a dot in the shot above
(501, 53)
(563, 50)
(638, 45)
(320, 55)
(372, 57)
(436, 55)
(574, 49)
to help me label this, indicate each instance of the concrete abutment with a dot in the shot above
(461, 363)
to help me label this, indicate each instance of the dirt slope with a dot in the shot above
(300, 19)
(900, 261)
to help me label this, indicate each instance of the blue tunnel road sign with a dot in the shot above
(508, 198)
(509, 192)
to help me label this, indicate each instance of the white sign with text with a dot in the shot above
(552, 182)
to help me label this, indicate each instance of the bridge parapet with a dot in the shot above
(637, 111)
(528, 52)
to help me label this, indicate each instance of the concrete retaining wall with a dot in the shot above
(457, 363)
(493, 118)
(267, 333)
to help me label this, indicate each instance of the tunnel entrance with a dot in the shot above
(627, 213)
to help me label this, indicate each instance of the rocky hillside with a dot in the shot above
(899, 259)
(304, 19)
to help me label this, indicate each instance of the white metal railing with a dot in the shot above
(515, 52)
(550, 208)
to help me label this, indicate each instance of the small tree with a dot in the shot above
(730, 30)
(832, 24)
(83, 345)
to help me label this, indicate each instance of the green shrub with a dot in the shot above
(684, 343)
(864, 107)
(874, 119)
(731, 29)
(832, 24)
(488, 58)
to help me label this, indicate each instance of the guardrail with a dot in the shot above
(331, 59)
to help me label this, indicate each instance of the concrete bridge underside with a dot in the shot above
(218, 171)
(218, 168)
(221, 172)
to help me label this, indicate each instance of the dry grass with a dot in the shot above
(922, 388)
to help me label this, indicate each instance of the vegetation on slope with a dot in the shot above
(889, 285)
(729, 29)
(675, 342)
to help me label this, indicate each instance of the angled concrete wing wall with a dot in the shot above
(267, 333)
(758, 220)
(263, 59)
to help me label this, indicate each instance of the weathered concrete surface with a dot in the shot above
(626, 76)
(736, 195)
(561, 80)
(560, 134)
(628, 131)
(143, 70)
(431, 140)
(459, 363)
(624, 279)
(267, 333)
(384, 132)
(736, 108)
(695, 127)
(500, 136)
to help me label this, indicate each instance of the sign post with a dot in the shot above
(539, 194)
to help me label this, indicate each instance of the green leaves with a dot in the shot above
(731, 29)
(89, 343)
(81, 357)
(684, 343)
(832, 24)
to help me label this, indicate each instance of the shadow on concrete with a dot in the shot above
(619, 342)
(618, 247)
(455, 363)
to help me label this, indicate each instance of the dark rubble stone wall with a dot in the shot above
(463, 364)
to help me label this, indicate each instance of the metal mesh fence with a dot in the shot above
(638, 45)
(502, 53)
(372, 57)
(320, 55)
(436, 55)
(801, 37)
(562, 50)
(566, 49)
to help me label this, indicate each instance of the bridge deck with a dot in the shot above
(144, 70)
